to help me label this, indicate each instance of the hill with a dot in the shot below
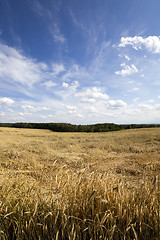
(67, 127)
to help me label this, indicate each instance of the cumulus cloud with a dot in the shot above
(73, 110)
(151, 43)
(73, 85)
(117, 103)
(144, 106)
(7, 102)
(92, 94)
(64, 84)
(127, 70)
(47, 117)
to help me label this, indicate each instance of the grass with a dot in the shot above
(79, 185)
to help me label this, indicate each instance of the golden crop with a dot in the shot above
(79, 185)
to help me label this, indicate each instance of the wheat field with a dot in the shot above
(79, 185)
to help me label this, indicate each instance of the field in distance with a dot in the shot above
(79, 185)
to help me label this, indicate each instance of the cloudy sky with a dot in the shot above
(83, 62)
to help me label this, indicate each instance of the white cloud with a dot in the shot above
(75, 72)
(128, 70)
(135, 100)
(92, 94)
(21, 114)
(126, 57)
(64, 84)
(151, 43)
(29, 108)
(73, 110)
(130, 82)
(91, 104)
(56, 34)
(135, 89)
(47, 117)
(57, 68)
(151, 100)
(2, 114)
(157, 106)
(69, 113)
(77, 22)
(14, 67)
(49, 15)
(37, 7)
(58, 37)
(145, 106)
(72, 87)
(117, 103)
(49, 84)
(7, 102)
(157, 83)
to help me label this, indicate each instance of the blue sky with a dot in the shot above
(82, 62)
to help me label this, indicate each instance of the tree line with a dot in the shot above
(67, 127)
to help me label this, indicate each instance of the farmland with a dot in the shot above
(79, 185)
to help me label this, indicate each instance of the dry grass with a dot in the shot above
(79, 185)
